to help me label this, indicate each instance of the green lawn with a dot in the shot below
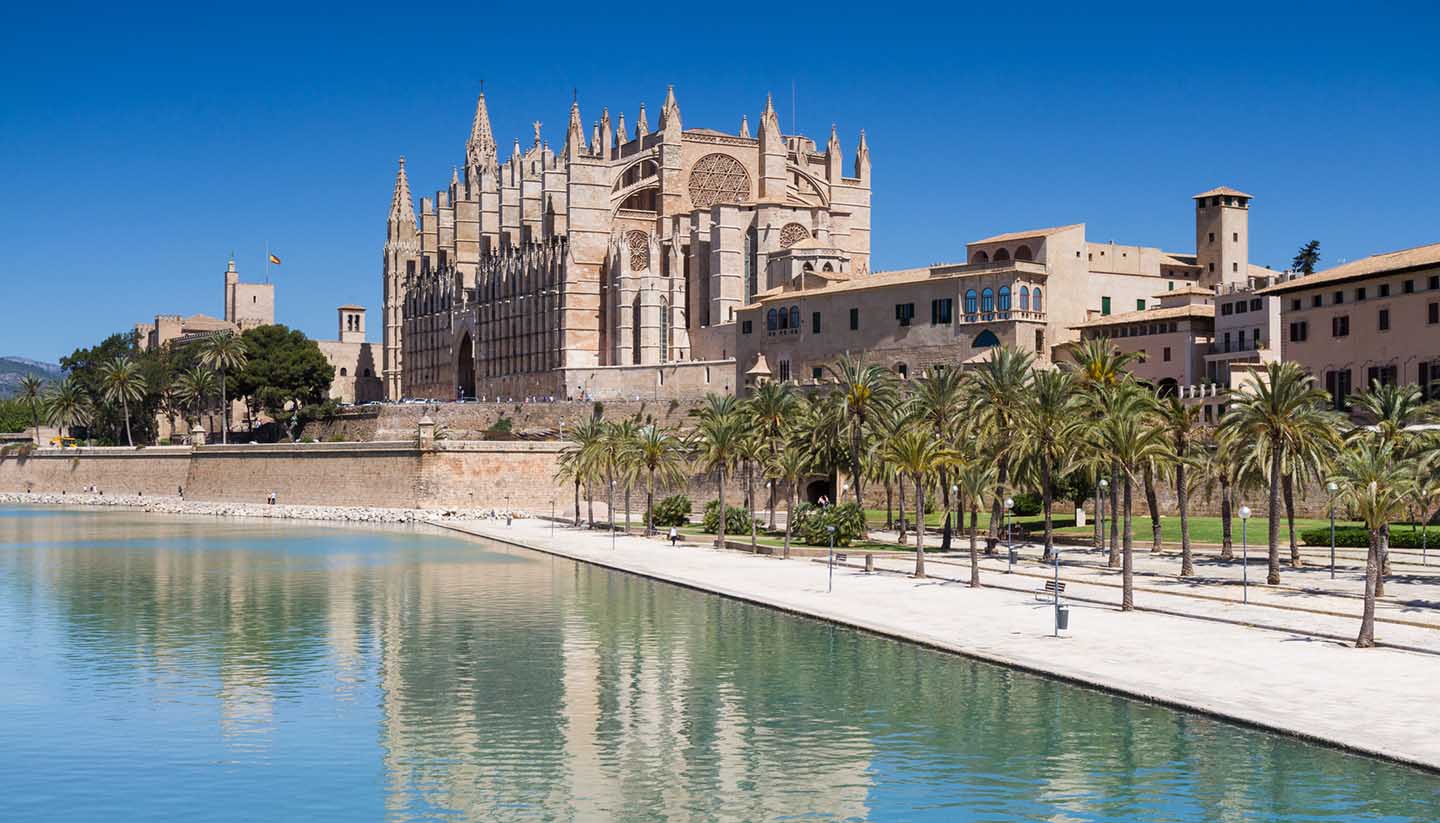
(777, 540)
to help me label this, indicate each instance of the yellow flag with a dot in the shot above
(274, 259)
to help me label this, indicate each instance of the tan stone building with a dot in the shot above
(1171, 337)
(1376, 319)
(614, 266)
(1035, 290)
(246, 305)
(356, 361)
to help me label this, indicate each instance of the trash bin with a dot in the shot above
(1062, 618)
(1014, 555)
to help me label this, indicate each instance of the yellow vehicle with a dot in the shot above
(64, 442)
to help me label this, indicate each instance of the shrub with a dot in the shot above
(737, 520)
(502, 426)
(673, 511)
(811, 522)
(1358, 537)
(1028, 504)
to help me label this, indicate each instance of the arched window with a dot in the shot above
(794, 317)
(902, 370)
(343, 373)
(1035, 302)
(970, 302)
(771, 320)
(829, 267)
(1004, 298)
(1024, 298)
(1001, 255)
(809, 267)
(987, 301)
(986, 339)
(367, 373)
(664, 330)
(1023, 253)
(980, 257)
(784, 320)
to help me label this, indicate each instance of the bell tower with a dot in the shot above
(1222, 236)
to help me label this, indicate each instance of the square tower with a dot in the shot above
(352, 324)
(1222, 236)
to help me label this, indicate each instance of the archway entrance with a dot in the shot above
(816, 488)
(465, 370)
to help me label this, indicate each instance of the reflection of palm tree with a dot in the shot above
(121, 380)
(67, 406)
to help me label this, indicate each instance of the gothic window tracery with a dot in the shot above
(717, 178)
(638, 244)
(792, 233)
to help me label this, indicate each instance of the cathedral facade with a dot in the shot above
(614, 266)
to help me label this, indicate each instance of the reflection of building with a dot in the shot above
(614, 266)
(1376, 319)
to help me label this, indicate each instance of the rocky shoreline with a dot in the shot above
(176, 505)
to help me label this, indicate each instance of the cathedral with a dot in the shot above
(613, 267)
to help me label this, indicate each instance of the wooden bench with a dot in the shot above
(1051, 590)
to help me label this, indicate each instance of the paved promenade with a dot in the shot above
(1376, 701)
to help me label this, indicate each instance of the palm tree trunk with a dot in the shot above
(1047, 500)
(901, 484)
(1182, 502)
(1273, 520)
(1366, 639)
(627, 506)
(974, 550)
(1114, 559)
(577, 502)
(1002, 476)
(1095, 518)
(650, 506)
(1382, 557)
(750, 510)
(919, 526)
(789, 517)
(590, 502)
(945, 535)
(1289, 490)
(224, 411)
(1153, 503)
(125, 407)
(1127, 573)
(1227, 536)
(610, 497)
(770, 503)
(889, 505)
(720, 526)
(855, 462)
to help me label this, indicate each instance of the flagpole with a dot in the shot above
(267, 261)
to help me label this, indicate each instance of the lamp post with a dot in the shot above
(1100, 508)
(1244, 555)
(955, 507)
(1056, 558)
(830, 582)
(1009, 541)
(1332, 488)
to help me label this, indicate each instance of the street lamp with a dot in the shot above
(830, 583)
(955, 507)
(1100, 508)
(1244, 555)
(1332, 488)
(1009, 541)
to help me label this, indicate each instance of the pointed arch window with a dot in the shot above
(1024, 298)
(971, 302)
(986, 339)
(987, 301)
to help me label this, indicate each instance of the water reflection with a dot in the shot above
(221, 670)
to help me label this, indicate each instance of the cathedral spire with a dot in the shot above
(642, 128)
(862, 157)
(596, 141)
(402, 208)
(454, 176)
(480, 150)
(744, 125)
(670, 112)
(621, 136)
(575, 133)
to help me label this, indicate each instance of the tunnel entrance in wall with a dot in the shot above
(465, 369)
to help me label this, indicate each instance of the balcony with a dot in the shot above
(1003, 316)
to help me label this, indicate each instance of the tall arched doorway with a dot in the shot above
(465, 369)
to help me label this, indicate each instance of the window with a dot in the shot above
(1428, 380)
(1140, 304)
(1435, 281)
(817, 372)
(1434, 316)
(1241, 307)
(772, 321)
(745, 327)
(1035, 301)
(1340, 326)
(1234, 237)
(941, 311)
(1360, 295)
(1212, 237)
(1227, 309)
(1039, 341)
(1234, 267)
(986, 339)
(1104, 305)
(1024, 298)
(1299, 331)
(1241, 345)
(1255, 304)
(1165, 354)
(1337, 383)
(782, 370)
(854, 319)
(970, 302)
(1384, 320)
(1316, 301)
(1295, 304)
(904, 312)
(1338, 298)
(1004, 298)
(795, 318)
(1227, 341)
(1384, 289)
(815, 322)
(1384, 375)
(987, 301)
(904, 370)
(343, 372)
(1408, 287)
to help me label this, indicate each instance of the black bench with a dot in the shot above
(1051, 589)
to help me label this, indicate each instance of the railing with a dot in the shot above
(1001, 316)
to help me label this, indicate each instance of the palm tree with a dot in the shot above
(194, 388)
(718, 440)
(604, 455)
(864, 389)
(67, 406)
(577, 463)
(771, 407)
(916, 452)
(122, 382)
(223, 352)
(975, 478)
(1393, 411)
(1375, 480)
(940, 402)
(886, 425)
(32, 394)
(1099, 363)
(1130, 430)
(626, 434)
(1048, 419)
(789, 466)
(998, 387)
(1182, 422)
(660, 455)
(753, 452)
(1270, 412)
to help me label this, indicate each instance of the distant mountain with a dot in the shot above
(13, 369)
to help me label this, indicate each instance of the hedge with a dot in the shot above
(1357, 537)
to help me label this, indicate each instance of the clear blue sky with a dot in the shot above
(141, 143)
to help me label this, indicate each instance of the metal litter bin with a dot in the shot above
(1062, 618)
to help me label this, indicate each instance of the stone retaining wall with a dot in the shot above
(157, 470)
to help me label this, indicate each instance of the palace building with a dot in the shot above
(614, 266)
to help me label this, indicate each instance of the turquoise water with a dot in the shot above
(202, 670)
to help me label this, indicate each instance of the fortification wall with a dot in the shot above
(469, 421)
(348, 474)
(158, 470)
